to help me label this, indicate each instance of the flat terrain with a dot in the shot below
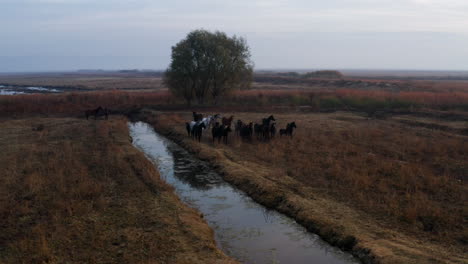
(377, 166)
(77, 81)
(396, 187)
(77, 191)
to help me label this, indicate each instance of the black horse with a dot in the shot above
(238, 127)
(197, 117)
(246, 132)
(266, 127)
(221, 132)
(273, 130)
(289, 129)
(258, 130)
(97, 113)
(197, 131)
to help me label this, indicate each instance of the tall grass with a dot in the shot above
(410, 176)
(316, 100)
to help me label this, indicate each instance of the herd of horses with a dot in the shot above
(221, 127)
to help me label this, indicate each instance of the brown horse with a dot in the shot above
(97, 113)
(227, 121)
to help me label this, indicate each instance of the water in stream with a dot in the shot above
(243, 229)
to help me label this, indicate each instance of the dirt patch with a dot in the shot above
(77, 191)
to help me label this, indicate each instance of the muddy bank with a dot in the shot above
(243, 229)
(263, 191)
(370, 240)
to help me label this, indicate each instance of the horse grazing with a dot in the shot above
(227, 121)
(197, 131)
(246, 132)
(97, 113)
(289, 129)
(238, 127)
(197, 117)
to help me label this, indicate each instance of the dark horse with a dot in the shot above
(97, 113)
(227, 121)
(197, 131)
(238, 127)
(265, 128)
(197, 117)
(246, 131)
(289, 129)
(220, 132)
(273, 130)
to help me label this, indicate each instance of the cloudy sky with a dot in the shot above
(51, 35)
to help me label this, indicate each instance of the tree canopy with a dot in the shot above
(208, 65)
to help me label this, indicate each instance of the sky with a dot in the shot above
(63, 35)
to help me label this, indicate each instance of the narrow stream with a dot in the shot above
(243, 229)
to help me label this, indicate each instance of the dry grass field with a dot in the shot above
(380, 170)
(85, 82)
(77, 191)
(399, 189)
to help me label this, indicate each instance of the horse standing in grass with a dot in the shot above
(246, 132)
(220, 132)
(97, 113)
(238, 127)
(197, 117)
(258, 130)
(197, 131)
(209, 120)
(265, 128)
(289, 129)
(227, 121)
(273, 130)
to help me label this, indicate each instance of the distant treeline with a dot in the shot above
(328, 74)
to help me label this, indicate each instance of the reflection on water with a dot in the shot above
(244, 229)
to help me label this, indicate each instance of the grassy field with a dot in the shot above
(398, 189)
(85, 82)
(77, 191)
(376, 169)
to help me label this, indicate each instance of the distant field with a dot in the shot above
(86, 81)
(268, 81)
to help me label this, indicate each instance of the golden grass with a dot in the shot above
(392, 186)
(77, 191)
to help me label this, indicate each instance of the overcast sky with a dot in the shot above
(51, 35)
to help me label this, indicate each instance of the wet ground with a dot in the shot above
(243, 229)
(13, 90)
